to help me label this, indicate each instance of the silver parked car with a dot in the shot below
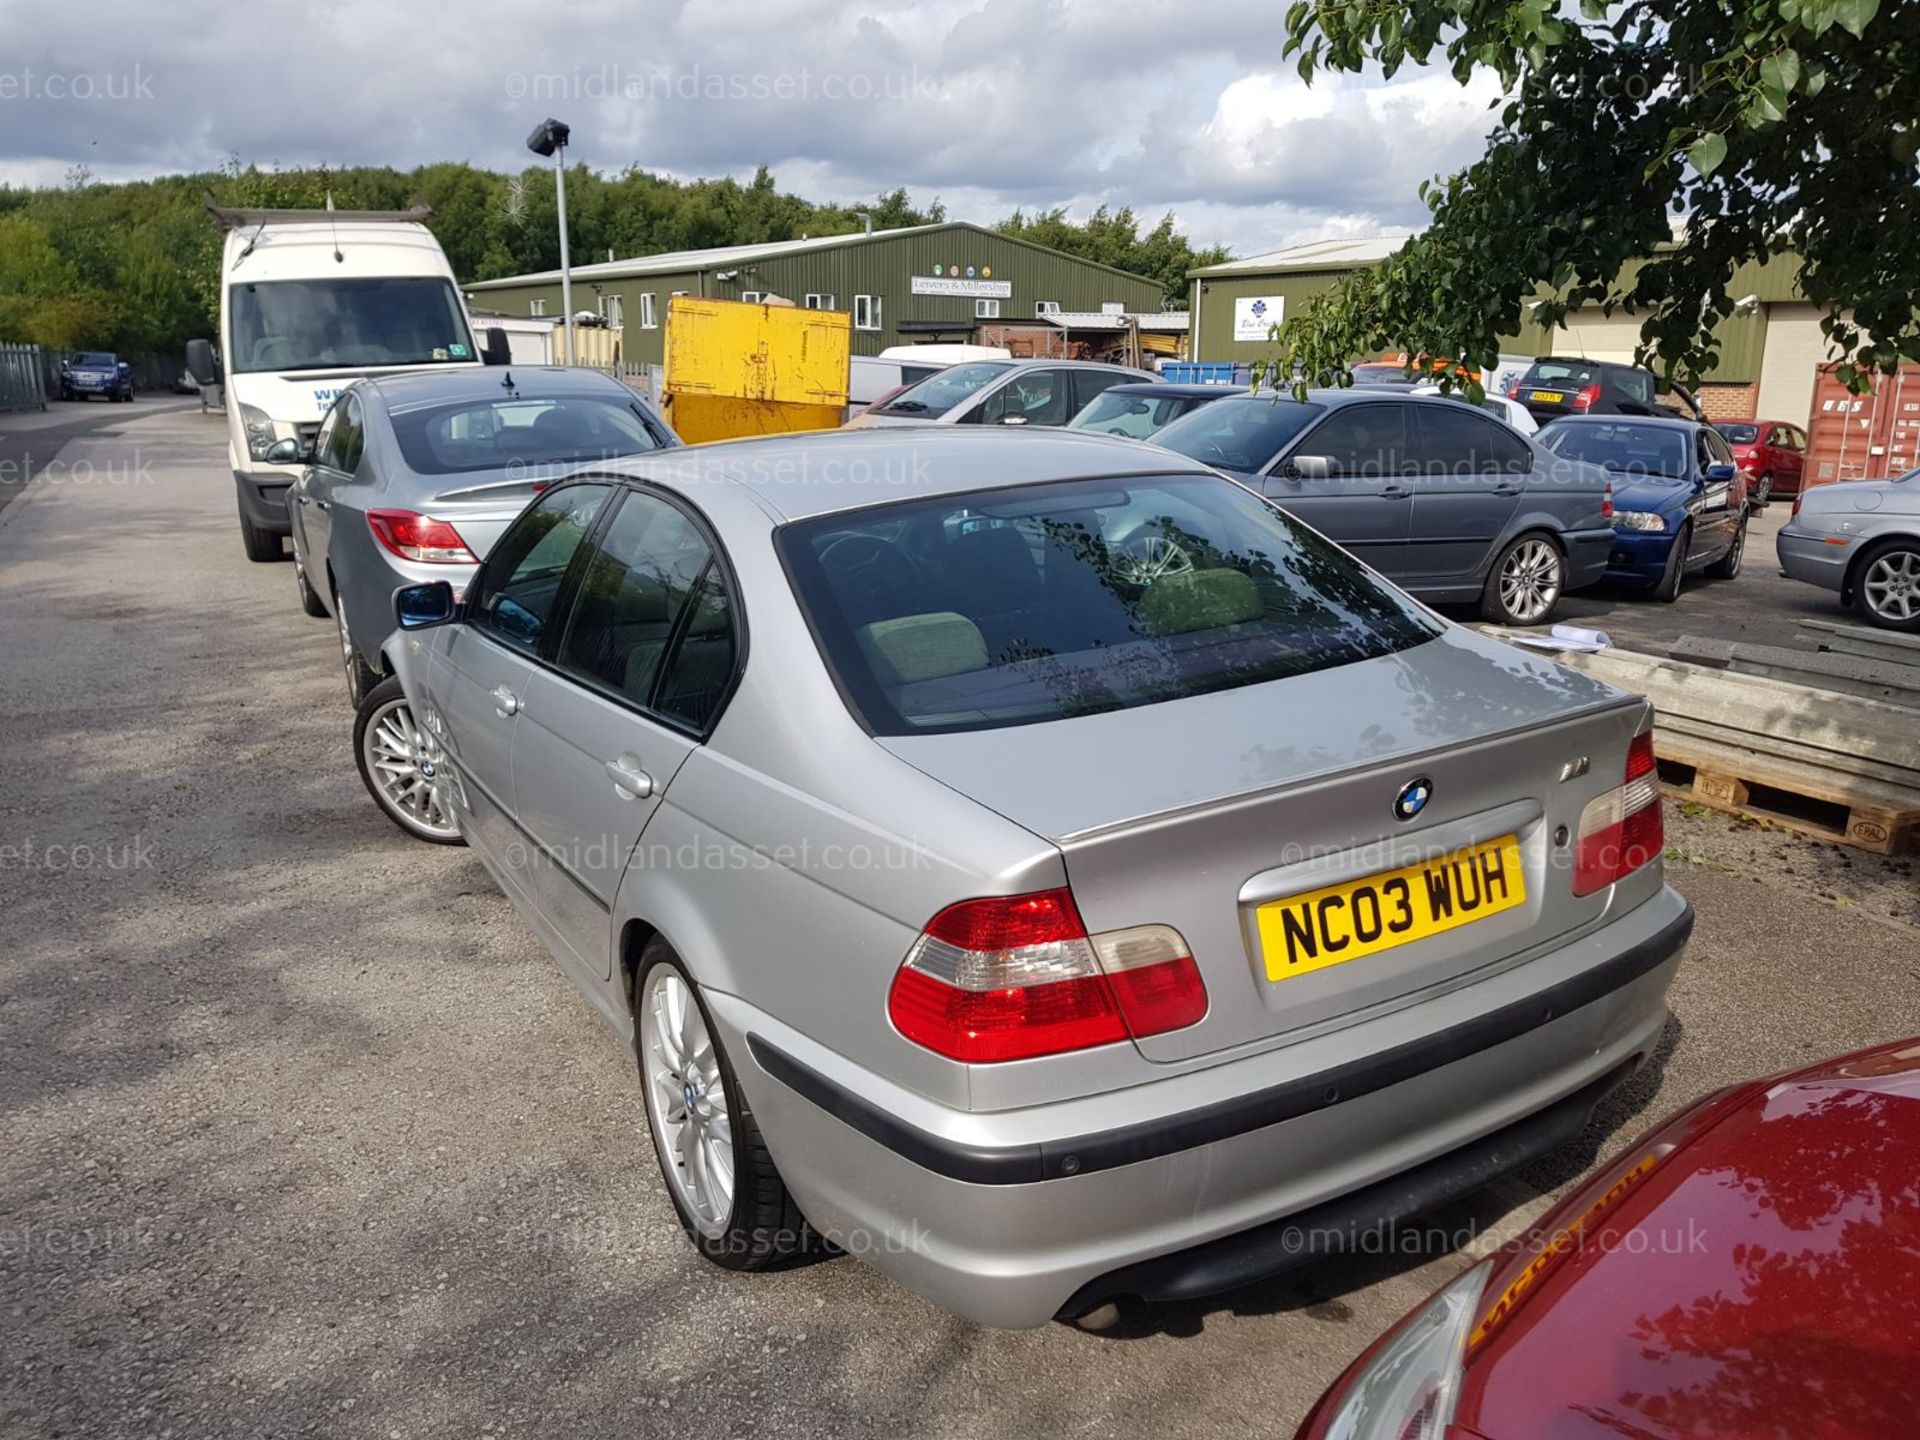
(1861, 538)
(1043, 393)
(1436, 495)
(1040, 866)
(413, 477)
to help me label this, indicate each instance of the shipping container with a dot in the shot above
(1868, 436)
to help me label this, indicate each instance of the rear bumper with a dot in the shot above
(1587, 552)
(1011, 1218)
(1810, 558)
(263, 499)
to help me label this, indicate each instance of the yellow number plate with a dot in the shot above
(1549, 397)
(1396, 907)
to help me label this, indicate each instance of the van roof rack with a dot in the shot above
(230, 219)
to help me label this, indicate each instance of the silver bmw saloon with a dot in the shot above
(1035, 863)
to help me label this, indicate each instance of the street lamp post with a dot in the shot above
(550, 138)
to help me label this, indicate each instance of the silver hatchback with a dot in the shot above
(1036, 863)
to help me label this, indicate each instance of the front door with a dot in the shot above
(481, 668)
(1718, 506)
(646, 656)
(1366, 503)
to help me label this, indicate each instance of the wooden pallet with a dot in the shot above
(1810, 800)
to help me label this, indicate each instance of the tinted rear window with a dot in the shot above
(1006, 607)
(1561, 372)
(527, 437)
(1739, 434)
(1242, 433)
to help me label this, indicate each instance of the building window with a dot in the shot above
(986, 309)
(866, 312)
(536, 307)
(820, 302)
(613, 309)
(648, 320)
(1046, 307)
(750, 297)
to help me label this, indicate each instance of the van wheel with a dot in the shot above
(259, 544)
(725, 1190)
(1667, 588)
(1525, 583)
(401, 765)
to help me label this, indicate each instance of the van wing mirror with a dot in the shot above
(202, 363)
(494, 347)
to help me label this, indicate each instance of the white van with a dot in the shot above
(310, 301)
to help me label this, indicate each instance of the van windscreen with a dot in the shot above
(329, 324)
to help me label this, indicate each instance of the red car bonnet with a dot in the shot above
(1761, 1279)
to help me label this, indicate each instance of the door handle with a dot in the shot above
(1395, 492)
(1506, 488)
(321, 503)
(505, 703)
(630, 782)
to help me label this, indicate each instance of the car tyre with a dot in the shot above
(309, 597)
(361, 677)
(401, 766)
(1526, 582)
(725, 1189)
(1727, 567)
(261, 544)
(1886, 587)
(1674, 577)
(1764, 491)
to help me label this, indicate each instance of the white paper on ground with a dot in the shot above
(1566, 637)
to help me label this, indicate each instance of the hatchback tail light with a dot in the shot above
(1621, 830)
(413, 536)
(1013, 977)
(1606, 502)
(1587, 398)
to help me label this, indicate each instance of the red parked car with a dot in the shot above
(1749, 1271)
(1770, 453)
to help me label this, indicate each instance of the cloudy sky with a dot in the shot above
(989, 104)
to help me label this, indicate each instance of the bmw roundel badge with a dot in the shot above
(1413, 798)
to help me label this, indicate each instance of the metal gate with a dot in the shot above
(20, 387)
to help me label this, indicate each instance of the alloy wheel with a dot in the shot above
(408, 771)
(687, 1100)
(1530, 581)
(1892, 586)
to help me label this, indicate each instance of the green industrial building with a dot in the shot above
(920, 283)
(1770, 348)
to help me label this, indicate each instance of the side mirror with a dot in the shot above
(202, 364)
(288, 452)
(1719, 473)
(419, 607)
(494, 347)
(1308, 467)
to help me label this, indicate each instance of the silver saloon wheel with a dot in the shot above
(404, 767)
(1527, 584)
(1890, 588)
(686, 1101)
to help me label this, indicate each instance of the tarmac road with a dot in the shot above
(304, 1135)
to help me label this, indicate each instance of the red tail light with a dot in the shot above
(1012, 977)
(1621, 830)
(1798, 498)
(1606, 503)
(413, 536)
(1587, 398)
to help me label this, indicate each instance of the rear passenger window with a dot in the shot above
(701, 666)
(1456, 440)
(514, 594)
(1368, 440)
(633, 593)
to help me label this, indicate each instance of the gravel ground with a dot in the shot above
(304, 1135)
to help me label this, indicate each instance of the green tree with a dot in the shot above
(1763, 126)
(1112, 237)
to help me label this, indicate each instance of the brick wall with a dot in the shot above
(1728, 402)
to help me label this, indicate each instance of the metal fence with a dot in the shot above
(20, 387)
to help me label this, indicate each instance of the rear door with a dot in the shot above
(483, 666)
(1088, 384)
(1366, 503)
(637, 680)
(1469, 474)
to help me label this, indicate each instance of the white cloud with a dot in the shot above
(991, 104)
